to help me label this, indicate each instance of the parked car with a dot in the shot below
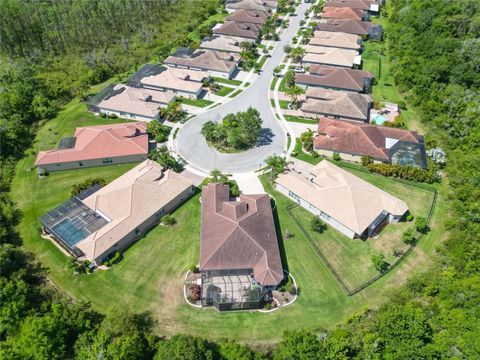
(299, 69)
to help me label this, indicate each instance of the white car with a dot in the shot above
(299, 69)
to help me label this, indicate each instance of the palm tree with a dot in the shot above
(277, 165)
(297, 53)
(294, 91)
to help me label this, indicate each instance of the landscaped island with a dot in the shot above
(237, 132)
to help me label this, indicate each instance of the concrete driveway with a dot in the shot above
(191, 145)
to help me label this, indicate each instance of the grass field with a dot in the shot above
(235, 93)
(196, 102)
(150, 276)
(227, 81)
(299, 119)
(301, 155)
(224, 91)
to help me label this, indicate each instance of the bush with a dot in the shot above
(314, 154)
(406, 172)
(116, 258)
(112, 116)
(409, 217)
(379, 262)
(408, 237)
(378, 105)
(169, 220)
(336, 156)
(267, 306)
(287, 48)
(88, 183)
(287, 286)
(288, 234)
(317, 225)
(107, 263)
(402, 105)
(366, 159)
(193, 268)
(103, 115)
(307, 140)
(421, 224)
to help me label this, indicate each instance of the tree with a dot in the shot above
(294, 92)
(169, 220)
(317, 225)
(307, 140)
(157, 131)
(421, 224)
(379, 262)
(87, 184)
(408, 237)
(287, 48)
(276, 164)
(289, 78)
(183, 347)
(298, 345)
(163, 157)
(297, 53)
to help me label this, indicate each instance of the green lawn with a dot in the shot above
(299, 119)
(262, 61)
(301, 155)
(350, 258)
(282, 87)
(196, 102)
(283, 104)
(227, 81)
(224, 91)
(235, 93)
(272, 84)
(150, 276)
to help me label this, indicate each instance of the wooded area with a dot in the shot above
(434, 47)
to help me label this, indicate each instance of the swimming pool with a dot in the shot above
(379, 119)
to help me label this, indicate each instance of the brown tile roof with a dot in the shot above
(346, 25)
(103, 141)
(206, 60)
(329, 56)
(360, 138)
(331, 12)
(336, 39)
(354, 4)
(177, 79)
(335, 77)
(224, 43)
(239, 235)
(249, 16)
(233, 28)
(259, 5)
(337, 103)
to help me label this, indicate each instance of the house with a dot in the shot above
(216, 63)
(239, 254)
(371, 6)
(352, 140)
(225, 43)
(100, 221)
(344, 201)
(332, 12)
(336, 78)
(238, 29)
(134, 103)
(319, 55)
(336, 104)
(249, 16)
(336, 40)
(366, 29)
(97, 146)
(257, 5)
(181, 82)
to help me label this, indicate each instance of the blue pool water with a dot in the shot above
(70, 231)
(379, 119)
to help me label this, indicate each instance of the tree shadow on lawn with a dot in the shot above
(266, 137)
(281, 245)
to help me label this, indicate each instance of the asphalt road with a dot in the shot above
(191, 145)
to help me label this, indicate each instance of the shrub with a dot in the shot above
(402, 105)
(287, 286)
(112, 116)
(294, 153)
(169, 220)
(379, 262)
(317, 225)
(336, 156)
(288, 234)
(396, 252)
(366, 159)
(421, 224)
(107, 263)
(314, 154)
(408, 237)
(267, 306)
(406, 172)
(88, 183)
(103, 115)
(234, 189)
(377, 105)
(287, 48)
(193, 268)
(307, 140)
(116, 258)
(409, 217)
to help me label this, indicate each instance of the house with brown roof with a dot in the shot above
(336, 78)
(227, 43)
(367, 5)
(336, 104)
(97, 146)
(349, 204)
(329, 56)
(135, 103)
(240, 258)
(352, 140)
(103, 220)
(249, 16)
(336, 40)
(216, 63)
(332, 12)
(181, 82)
(238, 29)
(366, 29)
(257, 5)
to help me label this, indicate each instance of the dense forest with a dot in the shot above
(54, 50)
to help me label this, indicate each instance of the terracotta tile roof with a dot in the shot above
(335, 77)
(346, 25)
(329, 56)
(177, 79)
(206, 60)
(249, 16)
(354, 4)
(97, 142)
(224, 43)
(239, 235)
(128, 201)
(336, 39)
(339, 103)
(137, 101)
(259, 5)
(233, 28)
(360, 138)
(343, 196)
(331, 12)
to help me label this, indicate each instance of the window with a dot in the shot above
(324, 215)
(293, 195)
(107, 161)
(80, 163)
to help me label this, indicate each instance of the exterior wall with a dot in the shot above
(304, 86)
(331, 116)
(91, 163)
(126, 115)
(222, 74)
(149, 223)
(308, 63)
(344, 156)
(175, 91)
(306, 205)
